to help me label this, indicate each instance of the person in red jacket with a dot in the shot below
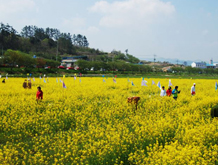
(39, 94)
(169, 91)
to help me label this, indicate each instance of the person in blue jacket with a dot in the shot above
(175, 92)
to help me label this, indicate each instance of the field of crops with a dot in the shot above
(90, 122)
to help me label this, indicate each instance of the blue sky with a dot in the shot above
(178, 29)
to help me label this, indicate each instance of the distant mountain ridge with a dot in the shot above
(173, 61)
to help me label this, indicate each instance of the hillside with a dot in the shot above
(52, 44)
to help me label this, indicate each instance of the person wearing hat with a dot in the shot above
(193, 90)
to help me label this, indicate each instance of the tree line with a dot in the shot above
(15, 58)
(42, 42)
(112, 66)
(49, 43)
(190, 70)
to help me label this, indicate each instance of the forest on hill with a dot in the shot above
(52, 44)
(48, 43)
(36, 47)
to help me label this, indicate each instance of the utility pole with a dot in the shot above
(126, 51)
(177, 61)
(154, 58)
(57, 51)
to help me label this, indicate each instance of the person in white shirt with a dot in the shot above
(163, 92)
(193, 90)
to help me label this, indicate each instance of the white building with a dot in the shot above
(201, 65)
(68, 62)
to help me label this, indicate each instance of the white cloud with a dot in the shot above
(14, 6)
(132, 12)
(74, 22)
(92, 30)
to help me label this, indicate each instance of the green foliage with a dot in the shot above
(113, 66)
(46, 42)
(83, 64)
(52, 63)
(8, 37)
(22, 59)
(177, 69)
(18, 58)
(132, 59)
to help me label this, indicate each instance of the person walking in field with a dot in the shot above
(175, 92)
(25, 84)
(29, 84)
(39, 94)
(193, 90)
(169, 91)
(163, 91)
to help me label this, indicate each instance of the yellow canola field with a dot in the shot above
(90, 122)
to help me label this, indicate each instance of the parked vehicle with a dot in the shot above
(47, 67)
(76, 68)
(61, 67)
(68, 68)
(102, 69)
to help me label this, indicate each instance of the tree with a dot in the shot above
(85, 42)
(83, 64)
(18, 58)
(52, 63)
(8, 37)
(79, 40)
(177, 69)
(132, 59)
(40, 63)
(12, 57)
(40, 34)
(28, 31)
(28, 61)
(97, 65)
(74, 39)
(65, 43)
(120, 57)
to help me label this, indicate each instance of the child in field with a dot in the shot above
(169, 91)
(163, 91)
(175, 92)
(39, 94)
(193, 90)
